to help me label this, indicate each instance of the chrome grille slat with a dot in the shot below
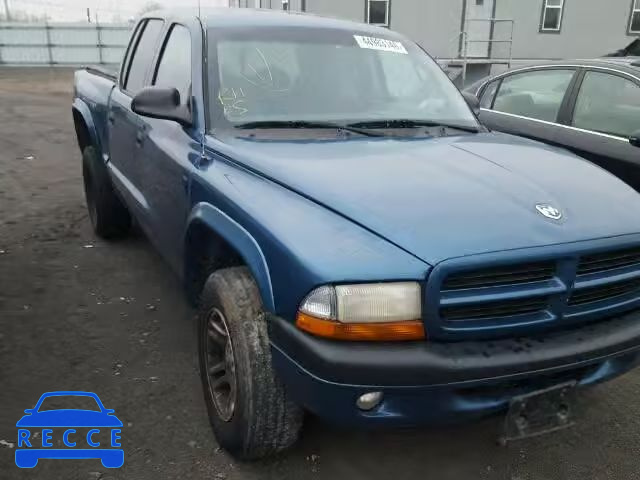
(604, 292)
(494, 309)
(601, 262)
(491, 277)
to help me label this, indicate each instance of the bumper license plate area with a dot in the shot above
(540, 412)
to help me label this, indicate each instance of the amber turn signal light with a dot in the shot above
(388, 331)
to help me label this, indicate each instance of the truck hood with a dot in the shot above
(453, 196)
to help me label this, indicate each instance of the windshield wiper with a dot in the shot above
(407, 123)
(307, 124)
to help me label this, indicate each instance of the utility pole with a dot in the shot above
(88, 14)
(7, 12)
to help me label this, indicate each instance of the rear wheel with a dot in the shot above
(249, 410)
(109, 217)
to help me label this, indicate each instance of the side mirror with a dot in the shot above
(473, 102)
(162, 103)
(109, 411)
(29, 411)
(634, 139)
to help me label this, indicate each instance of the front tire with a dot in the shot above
(249, 410)
(109, 217)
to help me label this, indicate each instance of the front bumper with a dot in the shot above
(429, 382)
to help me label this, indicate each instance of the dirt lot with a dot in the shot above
(77, 313)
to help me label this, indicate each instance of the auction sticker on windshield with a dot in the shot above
(383, 44)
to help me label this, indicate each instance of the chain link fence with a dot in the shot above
(68, 32)
(62, 43)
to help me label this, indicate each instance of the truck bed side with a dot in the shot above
(92, 92)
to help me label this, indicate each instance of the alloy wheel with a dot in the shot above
(220, 365)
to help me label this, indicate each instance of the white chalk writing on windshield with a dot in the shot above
(233, 101)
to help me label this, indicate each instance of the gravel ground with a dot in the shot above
(77, 313)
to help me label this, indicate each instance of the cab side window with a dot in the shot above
(536, 94)
(143, 56)
(174, 67)
(133, 41)
(609, 104)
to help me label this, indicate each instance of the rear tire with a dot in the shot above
(249, 410)
(109, 217)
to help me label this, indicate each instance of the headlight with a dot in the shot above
(369, 311)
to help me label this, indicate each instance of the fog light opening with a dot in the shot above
(369, 400)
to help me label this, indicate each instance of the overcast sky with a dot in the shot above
(107, 10)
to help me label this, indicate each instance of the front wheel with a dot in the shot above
(249, 410)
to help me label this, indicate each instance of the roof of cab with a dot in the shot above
(249, 17)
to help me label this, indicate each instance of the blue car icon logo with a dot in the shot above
(92, 431)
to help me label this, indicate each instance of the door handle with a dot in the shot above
(111, 118)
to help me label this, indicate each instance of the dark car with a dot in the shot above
(591, 107)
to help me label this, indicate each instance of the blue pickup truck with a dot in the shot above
(359, 246)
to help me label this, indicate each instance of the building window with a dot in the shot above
(634, 20)
(551, 15)
(378, 12)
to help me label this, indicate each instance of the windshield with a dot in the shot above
(312, 74)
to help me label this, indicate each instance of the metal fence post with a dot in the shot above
(49, 46)
(465, 40)
(99, 33)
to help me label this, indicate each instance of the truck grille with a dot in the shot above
(570, 287)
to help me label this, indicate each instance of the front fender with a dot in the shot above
(240, 239)
(81, 108)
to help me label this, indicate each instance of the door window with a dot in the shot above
(174, 67)
(127, 56)
(486, 99)
(143, 56)
(536, 94)
(609, 104)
